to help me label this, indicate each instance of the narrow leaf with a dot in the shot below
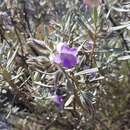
(124, 57)
(87, 71)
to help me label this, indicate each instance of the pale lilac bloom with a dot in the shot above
(90, 45)
(65, 56)
(91, 3)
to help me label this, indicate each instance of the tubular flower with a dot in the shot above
(65, 56)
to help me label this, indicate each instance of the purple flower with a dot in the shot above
(58, 100)
(65, 56)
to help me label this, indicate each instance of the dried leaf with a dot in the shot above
(12, 58)
(69, 101)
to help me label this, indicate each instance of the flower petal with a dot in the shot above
(58, 99)
(90, 45)
(68, 61)
(66, 56)
(62, 47)
(56, 58)
(68, 50)
(92, 3)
